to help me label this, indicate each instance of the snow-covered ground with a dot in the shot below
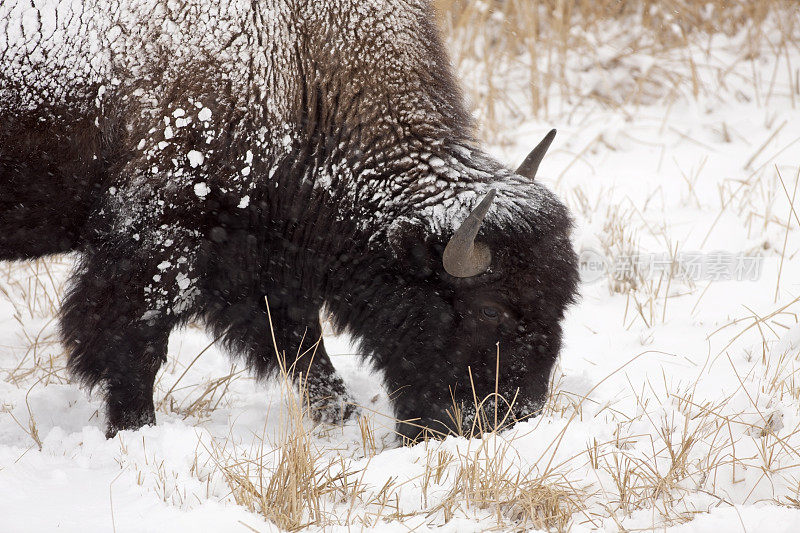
(676, 404)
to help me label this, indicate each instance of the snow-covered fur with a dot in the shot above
(202, 155)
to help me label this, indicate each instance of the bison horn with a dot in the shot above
(529, 167)
(463, 257)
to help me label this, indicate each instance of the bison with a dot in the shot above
(198, 156)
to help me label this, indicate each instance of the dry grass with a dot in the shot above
(34, 290)
(288, 481)
(691, 449)
(524, 58)
(294, 482)
(486, 480)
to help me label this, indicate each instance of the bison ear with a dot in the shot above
(409, 243)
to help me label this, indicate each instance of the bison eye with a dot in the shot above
(491, 313)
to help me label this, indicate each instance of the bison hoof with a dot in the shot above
(133, 423)
(334, 410)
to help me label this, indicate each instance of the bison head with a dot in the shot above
(487, 294)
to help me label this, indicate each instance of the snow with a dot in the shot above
(201, 189)
(701, 363)
(196, 159)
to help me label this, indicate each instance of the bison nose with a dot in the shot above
(438, 424)
(441, 422)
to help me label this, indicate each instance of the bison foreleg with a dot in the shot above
(290, 341)
(302, 347)
(114, 340)
(327, 393)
